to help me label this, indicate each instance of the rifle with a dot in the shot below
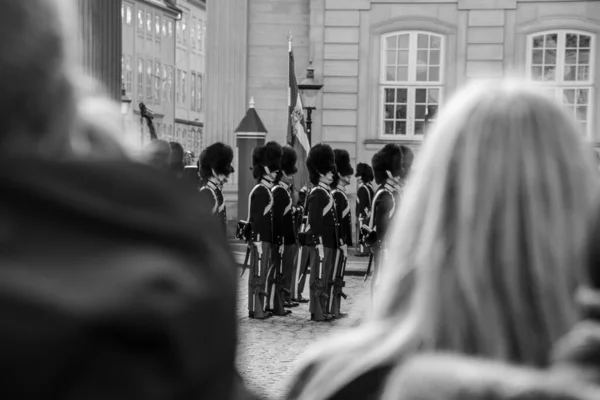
(277, 287)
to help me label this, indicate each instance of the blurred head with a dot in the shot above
(158, 154)
(38, 98)
(176, 158)
(483, 256)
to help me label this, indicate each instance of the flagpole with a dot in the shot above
(290, 38)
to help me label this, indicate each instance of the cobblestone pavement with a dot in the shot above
(269, 350)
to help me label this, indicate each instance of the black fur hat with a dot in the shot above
(407, 160)
(217, 156)
(387, 159)
(320, 160)
(268, 156)
(365, 172)
(288, 161)
(342, 162)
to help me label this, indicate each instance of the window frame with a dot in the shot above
(412, 84)
(559, 84)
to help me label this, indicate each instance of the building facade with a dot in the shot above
(99, 42)
(389, 65)
(163, 66)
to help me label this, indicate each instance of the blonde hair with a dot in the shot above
(486, 246)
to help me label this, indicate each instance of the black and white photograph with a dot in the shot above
(300, 199)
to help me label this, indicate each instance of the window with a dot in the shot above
(184, 29)
(192, 32)
(563, 62)
(129, 15)
(178, 25)
(128, 74)
(183, 87)
(122, 13)
(170, 25)
(140, 79)
(178, 86)
(157, 95)
(170, 85)
(149, 79)
(411, 82)
(200, 34)
(164, 27)
(164, 82)
(193, 92)
(149, 22)
(199, 93)
(157, 25)
(140, 20)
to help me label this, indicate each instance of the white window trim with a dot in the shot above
(411, 84)
(560, 83)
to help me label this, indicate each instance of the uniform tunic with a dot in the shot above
(323, 229)
(302, 253)
(344, 216)
(364, 203)
(384, 208)
(261, 220)
(284, 232)
(214, 196)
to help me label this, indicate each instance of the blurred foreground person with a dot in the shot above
(157, 154)
(485, 250)
(574, 373)
(215, 169)
(176, 159)
(105, 280)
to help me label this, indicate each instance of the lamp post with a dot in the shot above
(309, 88)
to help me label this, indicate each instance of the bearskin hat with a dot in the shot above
(407, 160)
(268, 156)
(387, 159)
(288, 161)
(217, 156)
(342, 162)
(320, 160)
(364, 172)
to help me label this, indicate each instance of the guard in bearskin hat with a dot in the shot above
(285, 235)
(341, 180)
(321, 235)
(364, 201)
(301, 260)
(214, 168)
(266, 164)
(388, 171)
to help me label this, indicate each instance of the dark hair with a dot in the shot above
(320, 160)
(365, 172)
(387, 159)
(268, 156)
(407, 160)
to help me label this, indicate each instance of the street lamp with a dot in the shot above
(309, 88)
(125, 101)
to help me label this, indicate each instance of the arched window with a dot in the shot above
(411, 82)
(563, 62)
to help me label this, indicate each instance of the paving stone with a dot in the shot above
(268, 350)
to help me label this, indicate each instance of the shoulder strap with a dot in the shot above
(379, 192)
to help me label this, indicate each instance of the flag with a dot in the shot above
(297, 137)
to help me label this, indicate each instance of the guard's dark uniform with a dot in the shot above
(389, 159)
(301, 257)
(322, 229)
(281, 271)
(215, 159)
(364, 201)
(261, 224)
(213, 195)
